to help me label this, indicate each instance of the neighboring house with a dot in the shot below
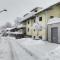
(16, 32)
(42, 16)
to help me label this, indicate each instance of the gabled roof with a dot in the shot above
(35, 13)
(28, 16)
(58, 3)
(36, 8)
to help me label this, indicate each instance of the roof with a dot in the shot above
(36, 8)
(48, 7)
(10, 28)
(14, 32)
(26, 14)
(21, 26)
(34, 13)
(54, 20)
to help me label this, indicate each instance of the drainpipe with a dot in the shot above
(37, 19)
(46, 20)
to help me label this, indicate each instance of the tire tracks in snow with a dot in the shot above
(27, 51)
(12, 52)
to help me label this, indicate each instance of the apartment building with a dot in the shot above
(42, 16)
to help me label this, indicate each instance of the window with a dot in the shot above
(34, 20)
(28, 29)
(51, 17)
(34, 29)
(28, 22)
(40, 18)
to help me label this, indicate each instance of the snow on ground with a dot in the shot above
(40, 48)
(4, 50)
(54, 54)
(28, 49)
(11, 50)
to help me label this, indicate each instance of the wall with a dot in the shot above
(31, 22)
(53, 11)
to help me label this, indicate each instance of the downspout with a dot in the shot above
(46, 20)
(36, 22)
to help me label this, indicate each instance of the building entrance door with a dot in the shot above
(54, 34)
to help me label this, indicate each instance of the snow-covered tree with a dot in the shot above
(8, 25)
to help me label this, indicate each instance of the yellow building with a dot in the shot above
(42, 15)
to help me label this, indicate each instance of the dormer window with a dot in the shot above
(35, 10)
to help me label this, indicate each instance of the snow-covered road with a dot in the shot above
(12, 50)
(28, 49)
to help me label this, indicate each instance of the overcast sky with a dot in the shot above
(17, 8)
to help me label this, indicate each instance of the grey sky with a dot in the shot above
(17, 8)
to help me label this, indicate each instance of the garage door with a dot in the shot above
(54, 35)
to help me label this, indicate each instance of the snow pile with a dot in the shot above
(53, 20)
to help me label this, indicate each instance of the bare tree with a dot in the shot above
(17, 21)
(8, 25)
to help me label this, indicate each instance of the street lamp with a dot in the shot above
(3, 10)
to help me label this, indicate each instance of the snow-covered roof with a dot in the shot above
(21, 26)
(14, 32)
(48, 7)
(36, 8)
(34, 13)
(28, 16)
(54, 20)
(9, 28)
